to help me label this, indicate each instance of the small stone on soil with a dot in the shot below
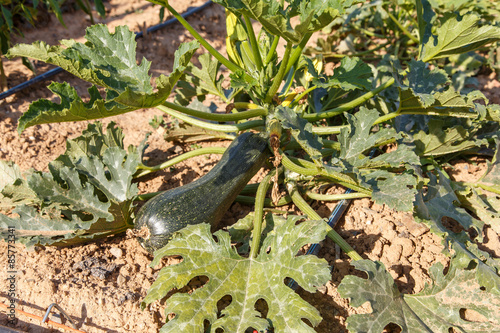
(116, 252)
(175, 149)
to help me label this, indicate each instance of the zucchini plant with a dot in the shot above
(320, 129)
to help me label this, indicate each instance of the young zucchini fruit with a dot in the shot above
(206, 199)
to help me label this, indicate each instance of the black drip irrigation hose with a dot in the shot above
(337, 213)
(42, 77)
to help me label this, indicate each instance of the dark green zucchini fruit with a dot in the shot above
(206, 199)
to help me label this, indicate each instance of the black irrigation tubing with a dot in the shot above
(337, 213)
(57, 70)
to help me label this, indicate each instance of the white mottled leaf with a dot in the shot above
(245, 280)
(436, 309)
(458, 35)
(107, 60)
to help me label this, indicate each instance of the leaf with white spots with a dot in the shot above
(443, 305)
(88, 192)
(396, 190)
(420, 84)
(107, 60)
(424, 91)
(492, 174)
(439, 205)
(442, 140)
(245, 280)
(13, 187)
(301, 130)
(391, 188)
(357, 138)
(112, 174)
(352, 74)
(9, 173)
(458, 35)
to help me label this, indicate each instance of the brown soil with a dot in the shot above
(100, 285)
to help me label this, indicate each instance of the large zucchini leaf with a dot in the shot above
(88, 192)
(441, 203)
(437, 308)
(424, 91)
(245, 280)
(395, 189)
(107, 60)
(456, 35)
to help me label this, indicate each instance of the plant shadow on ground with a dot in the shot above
(334, 310)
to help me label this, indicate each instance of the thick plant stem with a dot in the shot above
(147, 196)
(210, 126)
(250, 189)
(279, 77)
(297, 52)
(259, 213)
(223, 60)
(217, 116)
(488, 188)
(253, 42)
(386, 117)
(287, 163)
(328, 130)
(441, 113)
(334, 236)
(332, 144)
(272, 50)
(246, 105)
(267, 201)
(350, 105)
(307, 168)
(327, 144)
(300, 96)
(335, 197)
(311, 213)
(144, 169)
